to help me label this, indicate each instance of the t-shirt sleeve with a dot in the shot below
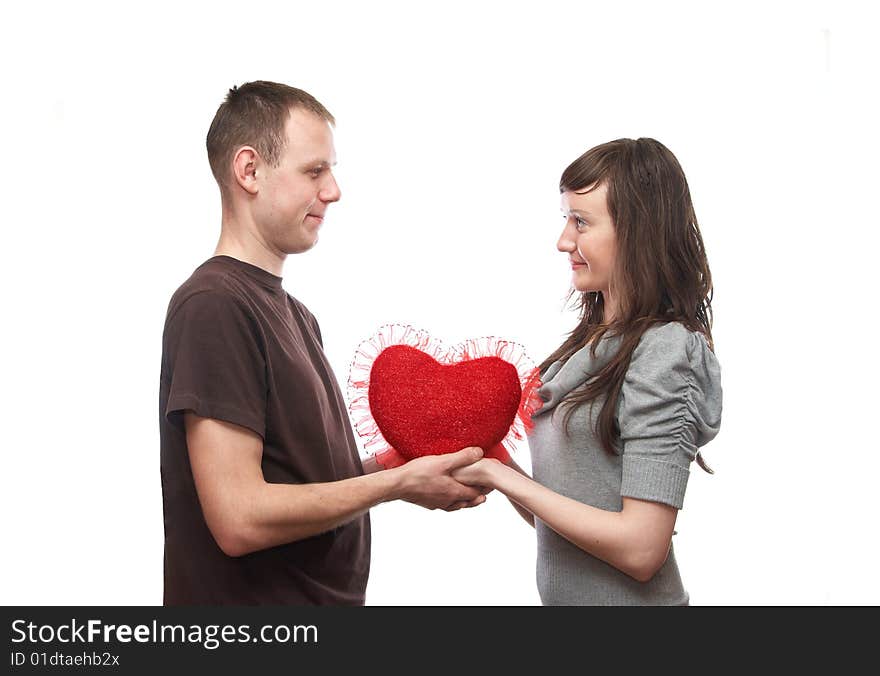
(216, 365)
(670, 405)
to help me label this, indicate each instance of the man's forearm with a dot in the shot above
(267, 515)
(275, 514)
(245, 514)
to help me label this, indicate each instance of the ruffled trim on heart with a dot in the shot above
(475, 348)
(359, 383)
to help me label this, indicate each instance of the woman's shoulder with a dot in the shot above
(674, 347)
(673, 339)
(673, 376)
(670, 334)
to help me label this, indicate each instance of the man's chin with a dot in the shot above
(301, 247)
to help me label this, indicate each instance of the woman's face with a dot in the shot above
(588, 239)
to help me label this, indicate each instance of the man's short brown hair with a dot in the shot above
(255, 114)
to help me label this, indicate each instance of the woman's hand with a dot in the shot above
(482, 473)
(490, 474)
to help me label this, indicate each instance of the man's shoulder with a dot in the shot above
(305, 313)
(207, 284)
(300, 306)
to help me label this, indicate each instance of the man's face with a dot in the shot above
(294, 196)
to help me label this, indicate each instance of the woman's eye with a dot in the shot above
(579, 223)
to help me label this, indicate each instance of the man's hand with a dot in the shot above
(428, 482)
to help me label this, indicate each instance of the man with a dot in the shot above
(265, 498)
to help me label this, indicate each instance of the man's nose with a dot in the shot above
(330, 191)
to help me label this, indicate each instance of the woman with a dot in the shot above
(632, 393)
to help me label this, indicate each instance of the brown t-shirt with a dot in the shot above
(238, 348)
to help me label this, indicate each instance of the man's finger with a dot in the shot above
(464, 457)
(463, 504)
(479, 500)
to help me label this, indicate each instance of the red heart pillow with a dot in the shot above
(411, 396)
(423, 407)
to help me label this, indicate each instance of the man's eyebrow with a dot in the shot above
(319, 163)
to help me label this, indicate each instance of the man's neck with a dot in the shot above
(240, 243)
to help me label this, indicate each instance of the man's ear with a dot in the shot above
(244, 169)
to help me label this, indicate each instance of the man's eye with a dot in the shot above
(316, 172)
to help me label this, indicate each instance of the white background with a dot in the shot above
(455, 121)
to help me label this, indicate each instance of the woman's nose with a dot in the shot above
(566, 243)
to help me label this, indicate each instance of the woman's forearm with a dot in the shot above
(609, 536)
(522, 511)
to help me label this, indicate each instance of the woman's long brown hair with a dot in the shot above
(660, 273)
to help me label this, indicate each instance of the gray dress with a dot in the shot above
(670, 405)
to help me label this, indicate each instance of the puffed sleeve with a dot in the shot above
(669, 406)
